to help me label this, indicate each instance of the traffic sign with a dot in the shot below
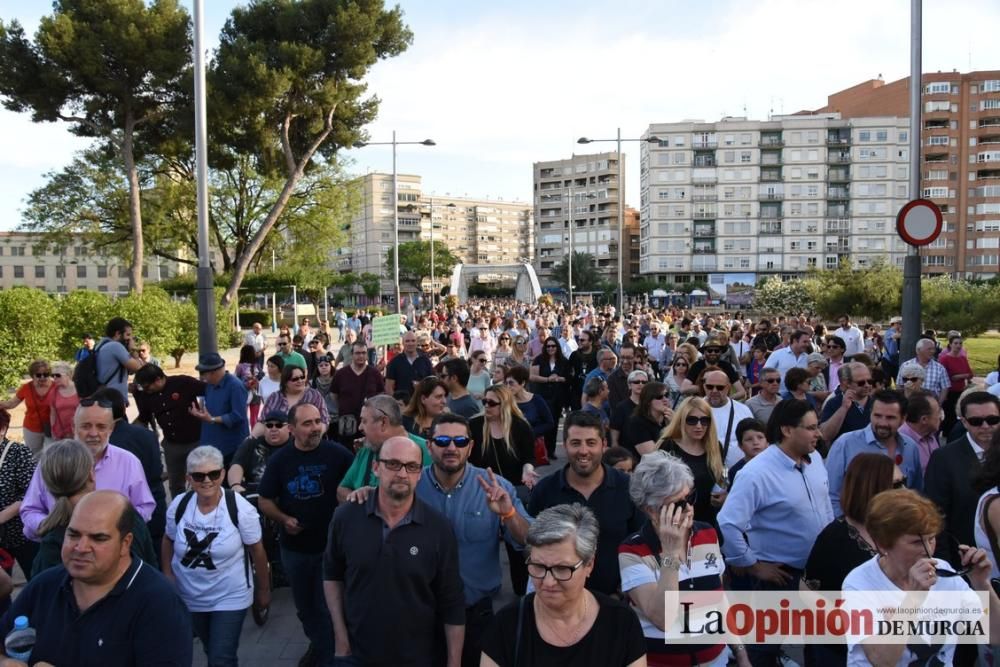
(919, 222)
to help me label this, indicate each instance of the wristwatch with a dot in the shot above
(669, 562)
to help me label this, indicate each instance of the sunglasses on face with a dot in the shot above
(443, 441)
(687, 500)
(282, 344)
(716, 387)
(212, 475)
(490, 403)
(42, 376)
(992, 420)
(771, 380)
(863, 383)
(912, 379)
(296, 378)
(89, 402)
(274, 425)
(57, 375)
(691, 420)
(638, 382)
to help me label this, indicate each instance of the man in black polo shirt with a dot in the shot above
(600, 487)
(391, 571)
(407, 368)
(102, 607)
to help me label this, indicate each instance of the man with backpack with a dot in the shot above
(110, 363)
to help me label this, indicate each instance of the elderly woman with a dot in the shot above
(34, 393)
(562, 623)
(294, 390)
(16, 469)
(670, 550)
(913, 376)
(62, 401)
(904, 527)
(211, 536)
(68, 472)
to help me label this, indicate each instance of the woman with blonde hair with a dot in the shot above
(689, 351)
(62, 401)
(690, 436)
(429, 399)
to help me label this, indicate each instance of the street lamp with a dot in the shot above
(621, 204)
(395, 202)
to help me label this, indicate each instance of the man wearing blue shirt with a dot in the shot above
(480, 506)
(881, 436)
(793, 356)
(225, 410)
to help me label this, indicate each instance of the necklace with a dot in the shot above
(576, 633)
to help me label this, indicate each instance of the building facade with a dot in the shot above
(747, 199)
(582, 191)
(959, 159)
(26, 261)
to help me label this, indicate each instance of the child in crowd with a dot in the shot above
(750, 433)
(620, 458)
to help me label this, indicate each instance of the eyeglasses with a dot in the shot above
(558, 572)
(490, 403)
(56, 375)
(716, 387)
(504, 338)
(212, 475)
(459, 441)
(680, 364)
(691, 420)
(992, 420)
(42, 376)
(899, 484)
(713, 350)
(863, 383)
(912, 379)
(689, 499)
(771, 380)
(282, 344)
(551, 347)
(296, 378)
(396, 466)
(660, 397)
(101, 402)
(956, 548)
(273, 425)
(637, 382)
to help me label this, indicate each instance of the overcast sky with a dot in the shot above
(501, 85)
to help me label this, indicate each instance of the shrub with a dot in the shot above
(29, 329)
(250, 317)
(82, 311)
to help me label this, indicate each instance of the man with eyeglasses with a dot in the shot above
(298, 492)
(762, 405)
(850, 408)
(252, 457)
(351, 386)
(765, 337)
(114, 468)
(225, 424)
(881, 436)
(727, 413)
(392, 564)
(407, 368)
(713, 349)
(936, 378)
(288, 355)
(623, 410)
(833, 349)
(952, 469)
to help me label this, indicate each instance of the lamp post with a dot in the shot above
(395, 202)
(621, 204)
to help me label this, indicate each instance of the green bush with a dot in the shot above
(954, 304)
(250, 317)
(82, 311)
(153, 317)
(29, 329)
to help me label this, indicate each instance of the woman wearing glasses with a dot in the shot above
(503, 351)
(429, 399)
(519, 354)
(904, 527)
(293, 390)
(675, 376)
(645, 424)
(479, 375)
(34, 394)
(845, 543)
(62, 400)
(562, 623)
(551, 375)
(210, 535)
(691, 437)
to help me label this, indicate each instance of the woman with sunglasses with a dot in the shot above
(503, 351)
(519, 353)
(33, 393)
(691, 437)
(674, 378)
(204, 554)
(16, 469)
(551, 375)
(645, 425)
(503, 440)
(904, 527)
(672, 550)
(293, 390)
(845, 543)
(62, 400)
(479, 375)
(429, 399)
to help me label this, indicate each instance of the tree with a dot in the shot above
(29, 330)
(948, 304)
(873, 292)
(114, 70)
(287, 83)
(415, 262)
(586, 277)
(775, 296)
(640, 286)
(81, 312)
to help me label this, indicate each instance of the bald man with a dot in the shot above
(726, 413)
(101, 606)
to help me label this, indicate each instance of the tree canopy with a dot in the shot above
(415, 262)
(586, 277)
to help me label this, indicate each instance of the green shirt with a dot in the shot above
(360, 473)
(293, 359)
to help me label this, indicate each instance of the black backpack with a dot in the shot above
(85, 377)
(230, 497)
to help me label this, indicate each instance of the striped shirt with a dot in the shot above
(639, 562)
(936, 377)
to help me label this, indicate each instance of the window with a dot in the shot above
(18, 271)
(745, 155)
(937, 175)
(989, 104)
(992, 86)
(81, 271)
(937, 141)
(39, 271)
(904, 136)
(881, 135)
(938, 87)
(864, 135)
(940, 105)
(17, 251)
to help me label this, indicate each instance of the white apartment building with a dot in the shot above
(590, 184)
(771, 197)
(478, 231)
(25, 260)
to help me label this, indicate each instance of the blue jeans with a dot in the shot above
(305, 577)
(219, 632)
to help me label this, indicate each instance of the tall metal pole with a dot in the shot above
(572, 247)
(395, 226)
(621, 227)
(207, 340)
(274, 300)
(911, 264)
(432, 253)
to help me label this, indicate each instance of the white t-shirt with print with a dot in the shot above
(208, 554)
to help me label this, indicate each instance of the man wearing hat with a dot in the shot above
(711, 357)
(224, 412)
(252, 456)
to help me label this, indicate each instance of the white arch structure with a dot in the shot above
(526, 289)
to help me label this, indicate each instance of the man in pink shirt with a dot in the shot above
(922, 424)
(114, 469)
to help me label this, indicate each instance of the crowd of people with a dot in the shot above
(379, 484)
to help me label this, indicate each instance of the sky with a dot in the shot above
(499, 86)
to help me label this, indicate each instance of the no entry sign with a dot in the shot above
(919, 222)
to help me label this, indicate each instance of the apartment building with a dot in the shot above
(25, 260)
(742, 199)
(583, 191)
(959, 159)
(478, 231)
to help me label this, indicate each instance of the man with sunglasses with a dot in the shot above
(288, 355)
(762, 405)
(952, 469)
(727, 413)
(298, 492)
(623, 410)
(850, 408)
(250, 460)
(713, 349)
(391, 569)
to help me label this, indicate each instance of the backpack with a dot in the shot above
(85, 377)
(230, 498)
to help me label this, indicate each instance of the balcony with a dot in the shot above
(698, 144)
(771, 142)
(705, 213)
(837, 225)
(771, 196)
(771, 227)
(836, 139)
(705, 178)
(834, 157)
(838, 246)
(704, 230)
(989, 122)
(708, 197)
(838, 193)
(770, 159)
(838, 175)
(703, 248)
(770, 176)
(701, 161)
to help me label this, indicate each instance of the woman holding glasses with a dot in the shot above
(293, 390)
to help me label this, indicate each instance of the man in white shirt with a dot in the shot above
(851, 335)
(256, 338)
(654, 343)
(726, 413)
(793, 356)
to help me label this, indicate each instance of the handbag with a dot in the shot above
(541, 452)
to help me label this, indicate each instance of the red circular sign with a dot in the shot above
(919, 222)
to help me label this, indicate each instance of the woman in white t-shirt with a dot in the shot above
(205, 551)
(904, 527)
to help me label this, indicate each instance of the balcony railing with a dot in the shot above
(770, 227)
(838, 158)
(703, 250)
(837, 225)
(704, 145)
(705, 214)
(838, 193)
(771, 196)
(838, 140)
(712, 197)
(771, 142)
(768, 178)
(703, 232)
(705, 179)
(770, 160)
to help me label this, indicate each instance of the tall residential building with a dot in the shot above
(747, 198)
(592, 182)
(25, 260)
(477, 231)
(960, 160)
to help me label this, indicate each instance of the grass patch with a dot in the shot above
(983, 351)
